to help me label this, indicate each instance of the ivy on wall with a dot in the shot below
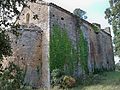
(63, 55)
(61, 51)
(83, 51)
(82, 47)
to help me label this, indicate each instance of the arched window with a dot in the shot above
(27, 18)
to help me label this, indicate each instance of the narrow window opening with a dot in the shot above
(64, 25)
(15, 42)
(53, 15)
(62, 18)
(27, 18)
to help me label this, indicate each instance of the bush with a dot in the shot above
(12, 77)
(117, 66)
(90, 79)
(58, 78)
(69, 81)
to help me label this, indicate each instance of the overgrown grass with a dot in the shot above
(104, 81)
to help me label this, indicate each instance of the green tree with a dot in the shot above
(11, 77)
(80, 13)
(9, 10)
(5, 48)
(113, 16)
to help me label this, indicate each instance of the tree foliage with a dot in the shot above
(5, 48)
(9, 9)
(80, 13)
(113, 16)
(11, 77)
(61, 51)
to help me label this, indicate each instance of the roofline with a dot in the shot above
(64, 10)
(105, 32)
(60, 8)
(68, 12)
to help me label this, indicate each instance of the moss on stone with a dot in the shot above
(95, 28)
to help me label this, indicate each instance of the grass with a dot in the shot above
(104, 81)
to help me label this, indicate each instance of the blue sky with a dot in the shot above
(94, 8)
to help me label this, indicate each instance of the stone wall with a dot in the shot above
(66, 23)
(31, 48)
(100, 50)
(27, 53)
(25, 19)
(64, 20)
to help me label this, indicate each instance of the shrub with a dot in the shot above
(12, 77)
(117, 66)
(69, 81)
(58, 78)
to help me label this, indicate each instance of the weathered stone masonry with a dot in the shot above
(31, 48)
(100, 53)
